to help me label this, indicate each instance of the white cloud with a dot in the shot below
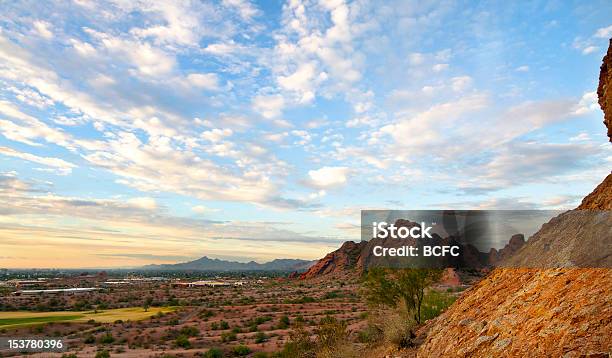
(582, 136)
(244, 7)
(143, 203)
(43, 29)
(27, 129)
(604, 32)
(181, 25)
(534, 162)
(523, 68)
(301, 82)
(589, 49)
(328, 177)
(422, 131)
(209, 81)
(84, 49)
(461, 83)
(216, 135)
(416, 58)
(588, 103)
(63, 167)
(440, 67)
(201, 209)
(269, 106)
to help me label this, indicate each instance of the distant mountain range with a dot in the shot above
(208, 264)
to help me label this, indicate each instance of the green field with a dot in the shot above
(17, 319)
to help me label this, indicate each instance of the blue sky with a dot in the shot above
(135, 132)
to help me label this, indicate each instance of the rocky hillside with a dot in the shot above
(563, 312)
(600, 198)
(528, 313)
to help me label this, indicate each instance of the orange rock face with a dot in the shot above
(527, 313)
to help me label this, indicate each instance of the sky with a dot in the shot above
(139, 132)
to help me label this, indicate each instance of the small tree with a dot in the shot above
(147, 304)
(400, 287)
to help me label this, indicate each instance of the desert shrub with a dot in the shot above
(371, 334)
(283, 322)
(224, 325)
(330, 332)
(214, 326)
(262, 319)
(331, 295)
(107, 339)
(89, 340)
(102, 354)
(241, 350)
(397, 329)
(190, 331)
(260, 355)
(260, 337)
(206, 314)
(213, 353)
(299, 345)
(69, 355)
(228, 337)
(182, 341)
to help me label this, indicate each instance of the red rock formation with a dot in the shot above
(604, 92)
(450, 278)
(516, 242)
(341, 260)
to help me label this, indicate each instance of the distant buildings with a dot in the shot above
(209, 283)
(56, 291)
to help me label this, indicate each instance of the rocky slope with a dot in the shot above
(565, 312)
(516, 243)
(601, 197)
(527, 313)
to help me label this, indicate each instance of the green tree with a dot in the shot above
(400, 287)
